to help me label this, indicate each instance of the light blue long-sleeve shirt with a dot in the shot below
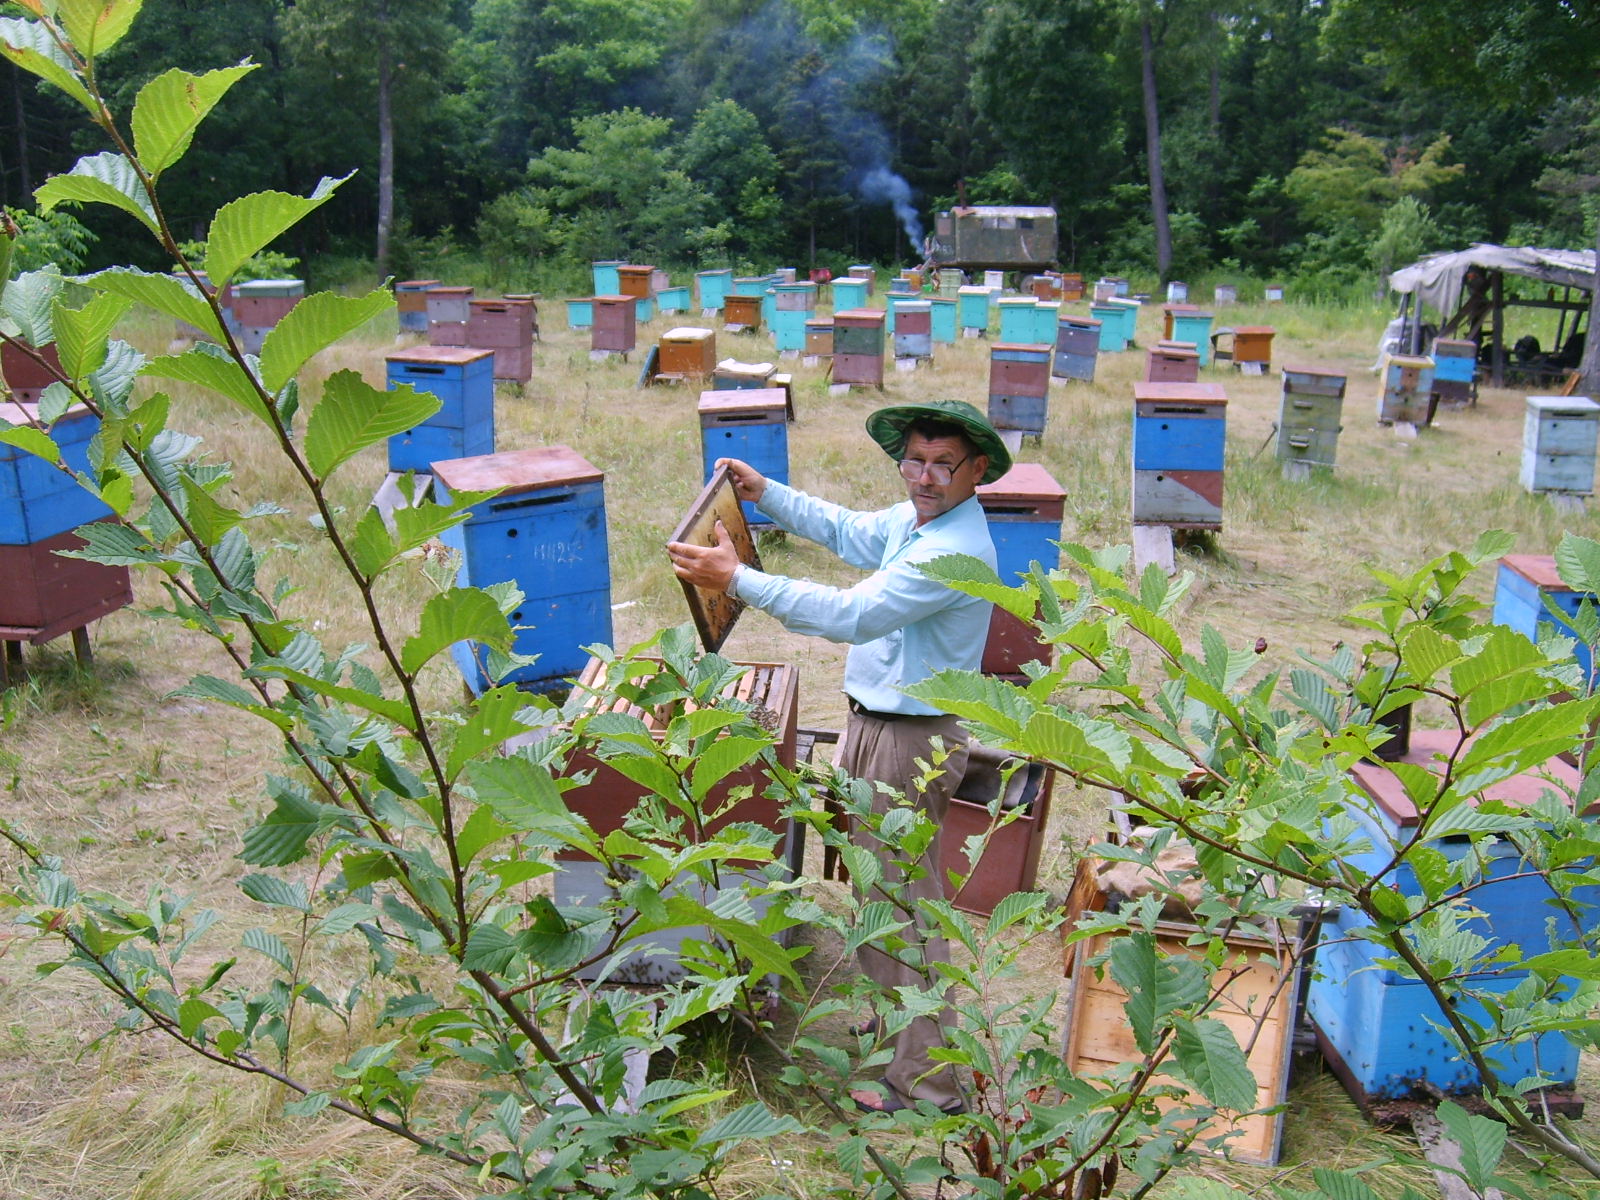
(900, 625)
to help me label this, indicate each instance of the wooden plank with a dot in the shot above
(1445, 1155)
(1153, 544)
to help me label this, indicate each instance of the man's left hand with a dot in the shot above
(709, 567)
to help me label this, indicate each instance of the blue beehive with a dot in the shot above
(749, 424)
(1379, 1023)
(411, 304)
(1559, 436)
(793, 304)
(849, 293)
(545, 532)
(580, 313)
(1046, 315)
(1109, 315)
(1017, 323)
(714, 285)
(1179, 431)
(607, 279)
(673, 299)
(1406, 393)
(1520, 588)
(1128, 312)
(1077, 342)
(39, 500)
(1194, 327)
(973, 304)
(463, 379)
(942, 310)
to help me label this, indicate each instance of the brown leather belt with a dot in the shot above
(862, 710)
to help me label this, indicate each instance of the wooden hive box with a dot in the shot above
(1559, 435)
(741, 313)
(615, 324)
(451, 304)
(1023, 509)
(1261, 994)
(687, 352)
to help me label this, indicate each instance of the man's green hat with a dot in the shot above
(888, 428)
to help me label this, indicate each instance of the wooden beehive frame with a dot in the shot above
(716, 612)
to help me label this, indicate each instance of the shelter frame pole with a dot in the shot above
(1497, 283)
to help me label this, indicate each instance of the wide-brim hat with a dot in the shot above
(888, 428)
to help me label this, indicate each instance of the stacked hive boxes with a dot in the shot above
(1406, 391)
(544, 531)
(913, 334)
(43, 595)
(1019, 387)
(463, 380)
(1077, 345)
(1179, 432)
(411, 304)
(1558, 444)
(1523, 583)
(1309, 415)
(506, 327)
(1024, 509)
(772, 689)
(748, 424)
(1128, 311)
(942, 310)
(794, 304)
(858, 339)
(1195, 327)
(638, 282)
(448, 309)
(260, 304)
(1380, 1027)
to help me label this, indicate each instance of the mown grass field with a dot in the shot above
(135, 789)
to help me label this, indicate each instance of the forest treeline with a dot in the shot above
(1319, 140)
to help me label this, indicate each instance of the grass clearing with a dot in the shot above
(135, 789)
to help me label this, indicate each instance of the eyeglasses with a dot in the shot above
(912, 470)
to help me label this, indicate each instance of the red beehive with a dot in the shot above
(43, 595)
(21, 371)
(858, 347)
(1017, 369)
(1171, 363)
(614, 328)
(506, 327)
(1023, 509)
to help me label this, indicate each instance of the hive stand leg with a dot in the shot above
(1567, 504)
(1012, 440)
(81, 648)
(1296, 472)
(12, 668)
(1153, 544)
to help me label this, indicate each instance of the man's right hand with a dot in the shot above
(748, 483)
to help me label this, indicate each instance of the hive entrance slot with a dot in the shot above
(530, 502)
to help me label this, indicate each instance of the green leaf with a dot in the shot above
(1339, 1185)
(493, 719)
(269, 889)
(482, 829)
(1578, 562)
(752, 1121)
(309, 1107)
(353, 415)
(114, 545)
(263, 942)
(34, 441)
(371, 545)
(94, 26)
(1579, 964)
(192, 1013)
(1211, 1059)
(29, 300)
(312, 325)
(1425, 652)
(281, 837)
(523, 794)
(456, 615)
(489, 948)
(1155, 986)
(977, 578)
(204, 366)
(171, 106)
(396, 711)
(167, 295)
(696, 1002)
(82, 333)
(720, 759)
(30, 46)
(105, 178)
(1481, 1140)
(209, 519)
(250, 223)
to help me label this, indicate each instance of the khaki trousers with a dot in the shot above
(886, 751)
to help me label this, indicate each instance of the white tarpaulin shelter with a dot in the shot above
(1466, 287)
(1437, 279)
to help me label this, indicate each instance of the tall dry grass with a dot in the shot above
(136, 789)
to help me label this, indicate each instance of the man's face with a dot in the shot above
(929, 497)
